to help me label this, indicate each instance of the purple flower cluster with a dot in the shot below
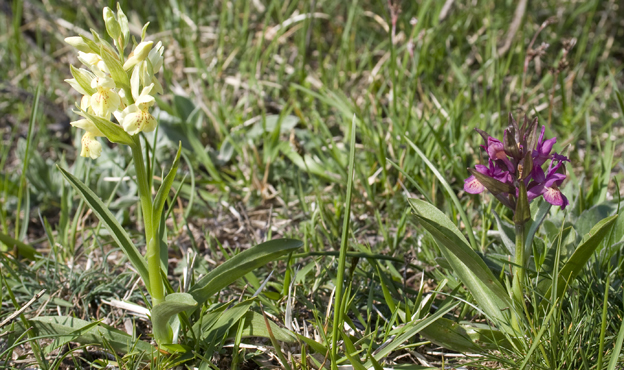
(520, 158)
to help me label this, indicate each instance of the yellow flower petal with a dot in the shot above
(104, 102)
(90, 147)
(138, 121)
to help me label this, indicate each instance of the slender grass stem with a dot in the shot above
(343, 251)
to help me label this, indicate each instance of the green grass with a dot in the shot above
(239, 90)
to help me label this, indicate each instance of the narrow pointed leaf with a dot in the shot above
(411, 329)
(112, 225)
(85, 333)
(161, 196)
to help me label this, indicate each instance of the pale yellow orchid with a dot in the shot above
(105, 101)
(90, 146)
(136, 117)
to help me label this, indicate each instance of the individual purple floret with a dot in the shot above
(548, 186)
(542, 152)
(517, 162)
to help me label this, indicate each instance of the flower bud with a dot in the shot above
(89, 59)
(123, 23)
(78, 43)
(140, 53)
(112, 26)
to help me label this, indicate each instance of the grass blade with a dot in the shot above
(343, 250)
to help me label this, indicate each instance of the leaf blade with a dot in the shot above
(112, 225)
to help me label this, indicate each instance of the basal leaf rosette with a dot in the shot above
(115, 87)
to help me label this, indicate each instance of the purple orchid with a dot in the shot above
(516, 163)
(548, 186)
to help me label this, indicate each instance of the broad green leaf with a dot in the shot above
(112, 225)
(449, 334)
(71, 337)
(581, 255)
(113, 132)
(471, 269)
(307, 163)
(173, 305)
(255, 326)
(84, 332)
(163, 191)
(239, 265)
(465, 337)
(23, 249)
(215, 324)
(116, 69)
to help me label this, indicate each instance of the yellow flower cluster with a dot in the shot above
(114, 85)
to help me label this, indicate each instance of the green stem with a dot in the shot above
(151, 239)
(518, 276)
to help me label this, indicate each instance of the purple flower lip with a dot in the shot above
(519, 158)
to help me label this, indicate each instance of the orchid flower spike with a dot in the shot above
(517, 162)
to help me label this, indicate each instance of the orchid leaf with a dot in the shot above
(174, 304)
(471, 269)
(582, 254)
(112, 225)
(86, 333)
(239, 265)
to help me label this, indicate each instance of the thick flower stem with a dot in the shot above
(151, 239)
(518, 275)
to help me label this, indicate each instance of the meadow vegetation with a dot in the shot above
(315, 215)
